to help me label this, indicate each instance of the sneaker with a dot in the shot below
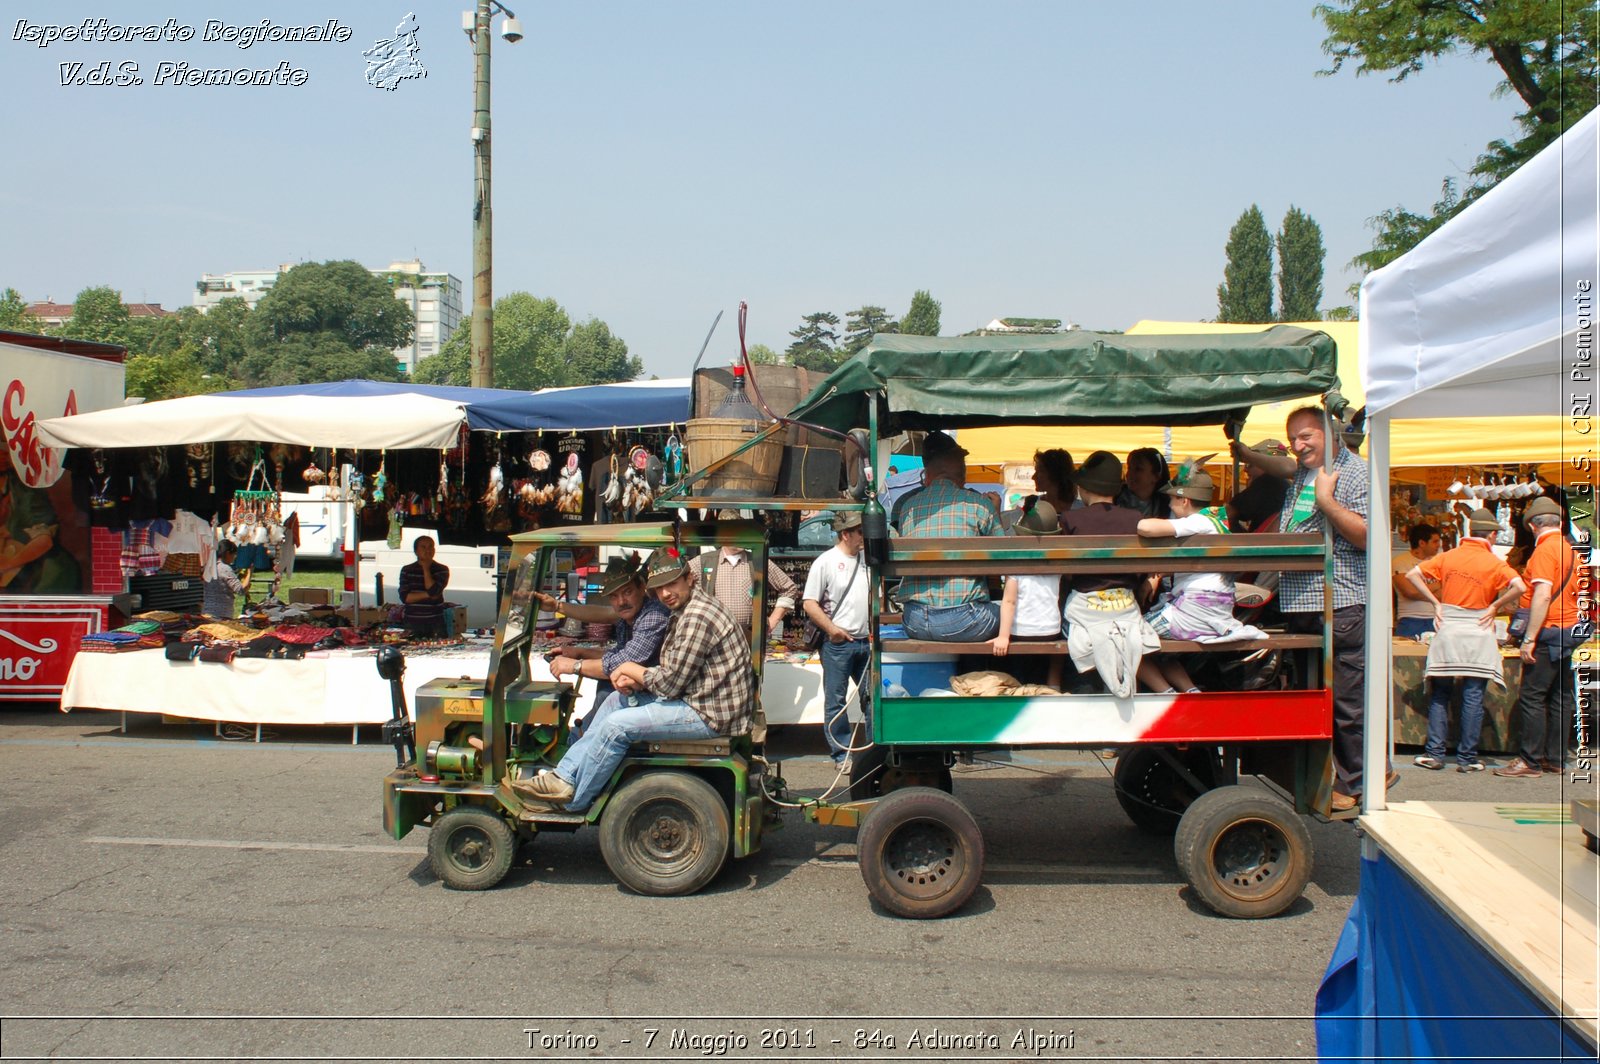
(548, 787)
(1470, 766)
(1432, 764)
(1519, 769)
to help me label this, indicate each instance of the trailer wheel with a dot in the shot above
(1245, 852)
(1151, 791)
(471, 848)
(921, 853)
(871, 775)
(665, 832)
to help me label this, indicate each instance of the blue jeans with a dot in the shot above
(615, 726)
(1472, 688)
(970, 622)
(1411, 627)
(841, 663)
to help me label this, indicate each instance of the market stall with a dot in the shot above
(1492, 314)
(57, 582)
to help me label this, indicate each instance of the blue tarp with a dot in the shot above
(1406, 982)
(586, 409)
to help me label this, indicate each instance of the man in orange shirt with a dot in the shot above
(1473, 584)
(1544, 708)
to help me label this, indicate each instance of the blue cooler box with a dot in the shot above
(918, 672)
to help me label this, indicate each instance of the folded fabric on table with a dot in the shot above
(218, 653)
(140, 627)
(306, 634)
(112, 638)
(182, 651)
(159, 616)
(223, 631)
(265, 646)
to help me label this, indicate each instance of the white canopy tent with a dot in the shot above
(1491, 315)
(361, 422)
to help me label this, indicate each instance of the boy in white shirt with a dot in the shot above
(1031, 607)
(1200, 605)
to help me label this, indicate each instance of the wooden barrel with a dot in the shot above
(754, 472)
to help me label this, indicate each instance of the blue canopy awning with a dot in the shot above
(633, 404)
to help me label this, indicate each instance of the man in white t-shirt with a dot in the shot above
(1413, 613)
(835, 599)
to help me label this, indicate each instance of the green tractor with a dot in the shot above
(672, 813)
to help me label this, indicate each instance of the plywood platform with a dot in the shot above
(1518, 879)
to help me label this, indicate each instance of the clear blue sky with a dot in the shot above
(657, 162)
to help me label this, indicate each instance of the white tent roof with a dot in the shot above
(1473, 321)
(365, 422)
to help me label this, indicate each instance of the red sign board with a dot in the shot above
(38, 640)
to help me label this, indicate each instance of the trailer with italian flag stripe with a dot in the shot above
(1229, 770)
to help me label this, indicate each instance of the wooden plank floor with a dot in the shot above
(1518, 879)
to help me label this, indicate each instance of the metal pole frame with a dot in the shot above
(482, 364)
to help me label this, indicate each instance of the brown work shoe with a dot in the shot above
(1552, 766)
(1519, 769)
(1343, 803)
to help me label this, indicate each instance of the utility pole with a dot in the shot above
(476, 25)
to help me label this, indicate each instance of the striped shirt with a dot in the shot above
(728, 576)
(430, 611)
(944, 511)
(705, 661)
(1302, 592)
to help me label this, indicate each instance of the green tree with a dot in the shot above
(14, 313)
(762, 355)
(214, 339)
(1400, 230)
(326, 321)
(99, 316)
(923, 317)
(1245, 294)
(1300, 260)
(592, 355)
(535, 346)
(815, 342)
(1545, 50)
(169, 376)
(862, 324)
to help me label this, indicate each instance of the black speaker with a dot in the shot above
(810, 473)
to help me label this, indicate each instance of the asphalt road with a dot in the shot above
(168, 894)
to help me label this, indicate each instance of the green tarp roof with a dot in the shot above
(1070, 378)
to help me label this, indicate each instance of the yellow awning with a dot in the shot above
(1449, 441)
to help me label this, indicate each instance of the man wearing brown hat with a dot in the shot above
(952, 609)
(639, 624)
(705, 686)
(1106, 630)
(836, 601)
(1472, 584)
(1556, 627)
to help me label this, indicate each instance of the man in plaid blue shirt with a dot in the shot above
(1316, 499)
(953, 609)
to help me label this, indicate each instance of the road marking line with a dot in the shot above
(245, 844)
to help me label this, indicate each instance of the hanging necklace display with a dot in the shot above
(496, 516)
(672, 458)
(569, 483)
(637, 495)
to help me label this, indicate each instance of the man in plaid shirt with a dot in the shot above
(1317, 498)
(953, 609)
(704, 687)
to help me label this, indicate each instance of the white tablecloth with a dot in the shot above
(340, 689)
(343, 688)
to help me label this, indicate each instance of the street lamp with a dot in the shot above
(476, 25)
